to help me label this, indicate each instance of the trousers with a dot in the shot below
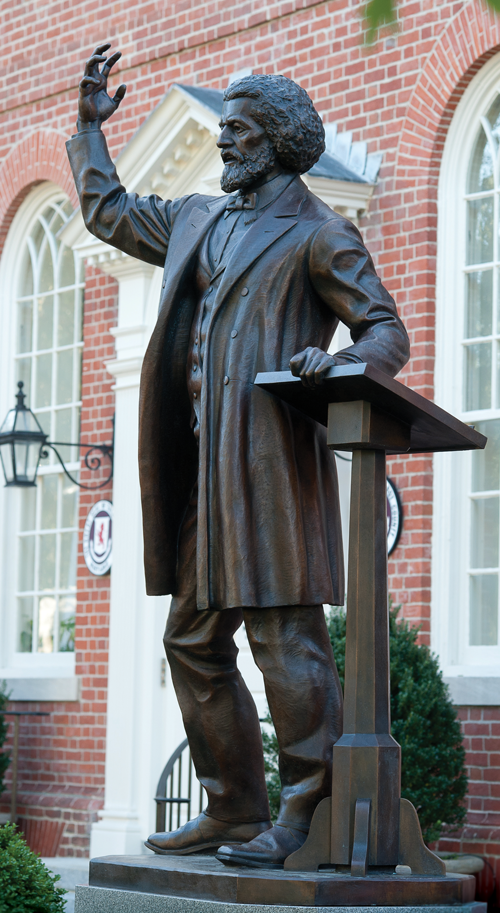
(291, 647)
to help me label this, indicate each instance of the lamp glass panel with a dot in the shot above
(6, 453)
(46, 623)
(21, 455)
(483, 619)
(25, 624)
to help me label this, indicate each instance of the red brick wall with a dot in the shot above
(61, 757)
(399, 95)
(481, 728)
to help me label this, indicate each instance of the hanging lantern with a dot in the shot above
(21, 444)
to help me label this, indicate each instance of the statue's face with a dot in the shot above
(246, 150)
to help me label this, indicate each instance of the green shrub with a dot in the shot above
(26, 884)
(4, 755)
(424, 723)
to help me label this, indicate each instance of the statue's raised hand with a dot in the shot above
(94, 103)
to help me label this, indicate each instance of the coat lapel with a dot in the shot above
(197, 224)
(275, 222)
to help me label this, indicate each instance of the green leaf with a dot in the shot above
(379, 13)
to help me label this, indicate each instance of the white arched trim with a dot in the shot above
(30, 676)
(472, 672)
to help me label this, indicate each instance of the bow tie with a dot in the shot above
(242, 201)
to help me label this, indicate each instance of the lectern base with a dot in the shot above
(198, 879)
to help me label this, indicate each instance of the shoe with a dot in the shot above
(267, 851)
(204, 833)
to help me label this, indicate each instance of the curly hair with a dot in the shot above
(288, 116)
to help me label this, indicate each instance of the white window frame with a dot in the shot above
(15, 666)
(452, 472)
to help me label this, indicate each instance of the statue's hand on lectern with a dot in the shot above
(311, 366)
(94, 103)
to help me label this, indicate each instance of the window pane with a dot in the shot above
(26, 274)
(28, 506)
(47, 568)
(65, 376)
(65, 326)
(478, 376)
(78, 360)
(69, 503)
(43, 391)
(484, 533)
(63, 433)
(26, 567)
(68, 561)
(481, 166)
(23, 372)
(46, 283)
(483, 610)
(25, 624)
(48, 490)
(67, 611)
(55, 221)
(66, 268)
(46, 619)
(25, 326)
(479, 298)
(480, 230)
(45, 322)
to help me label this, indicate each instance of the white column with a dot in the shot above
(137, 704)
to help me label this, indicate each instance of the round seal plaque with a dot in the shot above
(98, 537)
(394, 516)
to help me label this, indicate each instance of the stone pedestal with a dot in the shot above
(109, 900)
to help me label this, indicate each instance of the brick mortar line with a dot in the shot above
(179, 52)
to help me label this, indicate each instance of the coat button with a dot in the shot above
(244, 291)
(234, 333)
(163, 283)
(226, 379)
(195, 368)
(195, 396)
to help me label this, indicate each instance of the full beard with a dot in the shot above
(243, 174)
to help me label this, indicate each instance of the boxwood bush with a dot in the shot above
(424, 722)
(26, 884)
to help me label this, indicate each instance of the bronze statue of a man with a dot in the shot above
(239, 490)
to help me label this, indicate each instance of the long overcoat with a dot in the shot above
(269, 529)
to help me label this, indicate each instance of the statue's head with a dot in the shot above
(268, 123)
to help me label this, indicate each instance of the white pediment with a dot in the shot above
(174, 153)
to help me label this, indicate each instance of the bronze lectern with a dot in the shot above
(366, 823)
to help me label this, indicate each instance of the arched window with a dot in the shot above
(44, 292)
(466, 523)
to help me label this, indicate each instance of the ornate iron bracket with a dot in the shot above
(93, 463)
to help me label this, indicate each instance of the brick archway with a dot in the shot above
(39, 157)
